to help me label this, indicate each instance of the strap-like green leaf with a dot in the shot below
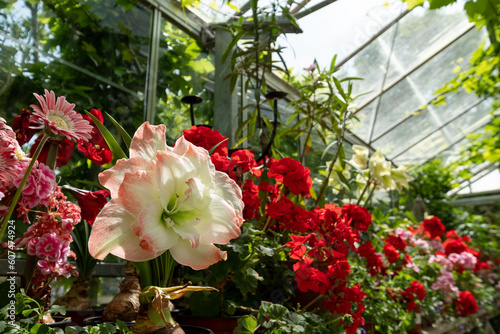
(125, 136)
(112, 143)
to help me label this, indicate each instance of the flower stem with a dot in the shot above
(17, 195)
(364, 191)
(314, 301)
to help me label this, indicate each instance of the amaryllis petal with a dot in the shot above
(156, 230)
(135, 191)
(198, 157)
(229, 190)
(221, 223)
(113, 177)
(180, 170)
(197, 258)
(147, 141)
(112, 233)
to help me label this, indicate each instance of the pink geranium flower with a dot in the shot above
(165, 198)
(60, 117)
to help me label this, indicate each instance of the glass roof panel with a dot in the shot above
(418, 88)
(212, 11)
(422, 33)
(423, 150)
(369, 64)
(362, 128)
(420, 124)
(487, 181)
(448, 136)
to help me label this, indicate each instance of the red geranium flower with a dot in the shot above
(466, 303)
(397, 242)
(96, 149)
(454, 246)
(293, 175)
(359, 216)
(207, 138)
(391, 253)
(434, 227)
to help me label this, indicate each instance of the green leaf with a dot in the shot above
(112, 143)
(123, 133)
(57, 309)
(414, 3)
(215, 147)
(246, 325)
(435, 4)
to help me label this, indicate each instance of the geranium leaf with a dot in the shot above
(246, 325)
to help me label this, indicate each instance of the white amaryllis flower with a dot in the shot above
(380, 169)
(401, 178)
(360, 156)
(165, 198)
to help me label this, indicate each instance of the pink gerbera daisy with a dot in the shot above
(60, 117)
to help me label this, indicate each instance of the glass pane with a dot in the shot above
(219, 11)
(421, 33)
(424, 150)
(418, 89)
(488, 182)
(362, 128)
(451, 135)
(369, 64)
(420, 124)
(470, 121)
(184, 69)
(92, 52)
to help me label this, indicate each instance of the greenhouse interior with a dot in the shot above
(250, 166)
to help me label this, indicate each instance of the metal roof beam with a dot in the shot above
(313, 9)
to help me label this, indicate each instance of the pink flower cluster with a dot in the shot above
(446, 283)
(48, 238)
(465, 259)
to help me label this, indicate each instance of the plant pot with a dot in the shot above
(60, 322)
(219, 325)
(78, 317)
(96, 320)
(93, 321)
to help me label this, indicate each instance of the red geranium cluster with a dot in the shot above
(466, 303)
(292, 175)
(361, 218)
(434, 227)
(321, 253)
(374, 262)
(415, 289)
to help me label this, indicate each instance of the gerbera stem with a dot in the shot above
(15, 199)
